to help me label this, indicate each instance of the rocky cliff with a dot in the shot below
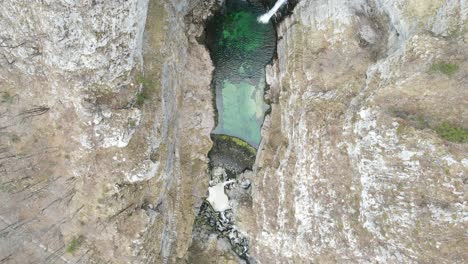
(105, 118)
(106, 111)
(357, 164)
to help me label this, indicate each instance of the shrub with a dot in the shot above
(142, 80)
(74, 245)
(445, 68)
(452, 133)
(141, 97)
(15, 138)
(145, 92)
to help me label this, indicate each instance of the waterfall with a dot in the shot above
(266, 17)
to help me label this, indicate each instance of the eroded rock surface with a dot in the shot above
(104, 129)
(351, 169)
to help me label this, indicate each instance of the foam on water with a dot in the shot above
(265, 18)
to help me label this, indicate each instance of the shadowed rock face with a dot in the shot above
(105, 122)
(351, 168)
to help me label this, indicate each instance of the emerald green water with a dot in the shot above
(240, 48)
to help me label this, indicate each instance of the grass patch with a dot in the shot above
(7, 97)
(452, 133)
(74, 245)
(445, 68)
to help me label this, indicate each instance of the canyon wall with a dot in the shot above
(105, 117)
(106, 110)
(352, 167)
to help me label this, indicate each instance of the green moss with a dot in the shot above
(385, 217)
(445, 68)
(459, 32)
(141, 97)
(132, 123)
(74, 245)
(239, 142)
(452, 133)
(420, 122)
(231, 153)
(3, 187)
(447, 170)
(7, 97)
(144, 81)
(401, 129)
(340, 226)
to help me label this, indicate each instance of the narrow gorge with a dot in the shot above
(240, 48)
(233, 131)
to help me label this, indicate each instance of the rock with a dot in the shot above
(345, 171)
(217, 198)
(245, 184)
(71, 72)
(352, 166)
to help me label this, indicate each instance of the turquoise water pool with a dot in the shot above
(240, 48)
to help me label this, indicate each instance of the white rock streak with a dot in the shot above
(266, 17)
(217, 198)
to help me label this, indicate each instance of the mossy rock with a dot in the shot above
(231, 153)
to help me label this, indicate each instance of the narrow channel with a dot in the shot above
(240, 48)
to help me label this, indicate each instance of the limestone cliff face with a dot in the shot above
(105, 117)
(106, 110)
(351, 169)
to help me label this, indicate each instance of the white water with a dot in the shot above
(218, 198)
(266, 17)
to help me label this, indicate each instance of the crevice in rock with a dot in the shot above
(232, 160)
